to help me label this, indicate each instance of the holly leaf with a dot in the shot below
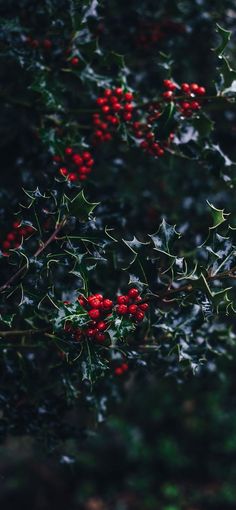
(164, 238)
(7, 319)
(218, 216)
(221, 254)
(80, 207)
(136, 247)
(122, 327)
(227, 81)
(92, 365)
(225, 36)
(203, 124)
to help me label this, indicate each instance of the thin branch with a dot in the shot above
(188, 287)
(39, 250)
(22, 332)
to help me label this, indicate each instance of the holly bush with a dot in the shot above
(117, 204)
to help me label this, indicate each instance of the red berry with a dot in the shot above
(128, 107)
(34, 43)
(68, 151)
(168, 95)
(91, 332)
(114, 120)
(116, 107)
(122, 309)
(104, 126)
(144, 145)
(107, 137)
(63, 170)
(97, 121)
(86, 155)
(16, 224)
(100, 101)
(74, 61)
(136, 125)
(94, 302)
(98, 133)
(105, 108)
(113, 99)
(6, 245)
(127, 116)
(77, 159)
(107, 92)
(133, 309)
(99, 296)
(84, 170)
(101, 326)
(118, 371)
(185, 87)
(160, 152)
(72, 177)
(107, 304)
(124, 366)
(195, 105)
(10, 236)
(185, 105)
(201, 91)
(139, 315)
(81, 301)
(168, 84)
(128, 96)
(194, 87)
(47, 44)
(138, 134)
(144, 306)
(150, 135)
(94, 314)
(90, 162)
(122, 300)
(133, 293)
(119, 91)
(100, 337)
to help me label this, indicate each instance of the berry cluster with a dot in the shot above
(121, 369)
(98, 309)
(132, 304)
(143, 131)
(190, 90)
(151, 33)
(115, 106)
(15, 237)
(100, 312)
(149, 144)
(47, 44)
(74, 166)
